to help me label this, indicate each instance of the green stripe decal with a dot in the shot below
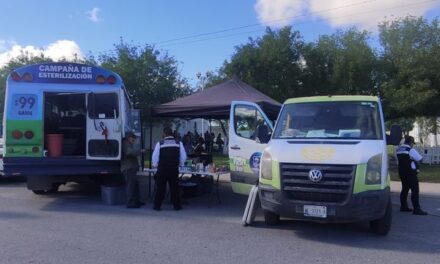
(316, 99)
(241, 188)
(23, 147)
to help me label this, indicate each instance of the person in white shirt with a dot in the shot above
(408, 159)
(168, 154)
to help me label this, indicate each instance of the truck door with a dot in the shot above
(103, 126)
(249, 132)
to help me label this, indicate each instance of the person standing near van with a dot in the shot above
(130, 167)
(168, 154)
(408, 159)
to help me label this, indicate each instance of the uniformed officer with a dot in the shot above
(129, 168)
(408, 159)
(168, 154)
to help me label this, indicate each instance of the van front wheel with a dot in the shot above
(382, 225)
(271, 218)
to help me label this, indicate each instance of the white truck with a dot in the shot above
(325, 160)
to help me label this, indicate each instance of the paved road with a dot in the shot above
(75, 227)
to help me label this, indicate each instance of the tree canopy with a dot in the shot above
(150, 77)
(410, 62)
(402, 68)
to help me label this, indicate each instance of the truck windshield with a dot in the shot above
(332, 120)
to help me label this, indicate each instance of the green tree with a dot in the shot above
(406, 123)
(341, 63)
(410, 61)
(150, 77)
(271, 64)
(428, 125)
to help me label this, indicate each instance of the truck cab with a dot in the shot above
(325, 160)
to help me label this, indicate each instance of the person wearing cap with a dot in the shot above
(130, 167)
(168, 154)
(408, 160)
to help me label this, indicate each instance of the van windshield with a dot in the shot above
(332, 120)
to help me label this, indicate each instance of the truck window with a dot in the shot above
(337, 120)
(250, 124)
(105, 105)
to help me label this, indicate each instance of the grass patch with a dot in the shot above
(428, 173)
(220, 159)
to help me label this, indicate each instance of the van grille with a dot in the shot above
(335, 187)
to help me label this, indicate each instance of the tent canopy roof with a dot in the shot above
(215, 102)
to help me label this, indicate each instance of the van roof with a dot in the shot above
(332, 98)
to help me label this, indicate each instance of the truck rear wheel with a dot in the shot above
(53, 189)
(382, 225)
(271, 218)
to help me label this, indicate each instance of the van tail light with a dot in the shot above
(111, 79)
(29, 134)
(17, 134)
(15, 76)
(100, 79)
(27, 77)
(35, 149)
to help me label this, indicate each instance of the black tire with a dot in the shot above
(271, 218)
(382, 225)
(39, 192)
(53, 189)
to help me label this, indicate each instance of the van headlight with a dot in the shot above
(266, 166)
(374, 170)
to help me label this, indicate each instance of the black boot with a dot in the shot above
(405, 209)
(419, 211)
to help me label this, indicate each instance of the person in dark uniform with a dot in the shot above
(408, 159)
(168, 154)
(129, 168)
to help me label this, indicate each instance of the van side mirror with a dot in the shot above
(395, 135)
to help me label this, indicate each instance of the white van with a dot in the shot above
(325, 160)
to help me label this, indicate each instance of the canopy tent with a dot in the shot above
(215, 102)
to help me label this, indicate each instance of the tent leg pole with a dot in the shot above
(149, 158)
(223, 128)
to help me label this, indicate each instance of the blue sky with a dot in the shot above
(62, 28)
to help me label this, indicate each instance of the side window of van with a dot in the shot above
(250, 124)
(245, 119)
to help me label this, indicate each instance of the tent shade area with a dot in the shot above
(215, 102)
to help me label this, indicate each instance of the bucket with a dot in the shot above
(54, 143)
(189, 189)
(113, 195)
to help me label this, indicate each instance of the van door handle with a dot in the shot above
(235, 147)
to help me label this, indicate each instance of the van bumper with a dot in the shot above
(364, 206)
(76, 166)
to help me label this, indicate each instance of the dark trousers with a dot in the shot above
(409, 182)
(172, 178)
(131, 186)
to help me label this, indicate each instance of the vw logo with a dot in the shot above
(315, 175)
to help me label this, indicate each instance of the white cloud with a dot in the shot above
(94, 14)
(61, 49)
(275, 12)
(363, 13)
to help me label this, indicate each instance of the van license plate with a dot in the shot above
(315, 211)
